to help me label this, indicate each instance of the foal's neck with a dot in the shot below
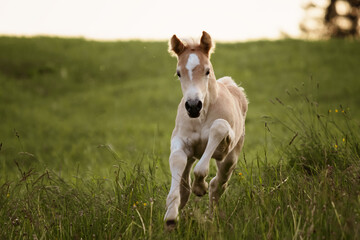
(213, 91)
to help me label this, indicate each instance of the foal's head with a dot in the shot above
(194, 71)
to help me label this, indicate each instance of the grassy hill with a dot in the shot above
(85, 130)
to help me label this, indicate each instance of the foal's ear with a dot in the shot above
(206, 43)
(176, 46)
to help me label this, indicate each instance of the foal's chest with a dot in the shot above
(201, 142)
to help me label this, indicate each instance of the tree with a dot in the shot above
(338, 18)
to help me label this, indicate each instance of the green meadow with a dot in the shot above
(85, 135)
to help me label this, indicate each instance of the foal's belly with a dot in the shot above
(220, 152)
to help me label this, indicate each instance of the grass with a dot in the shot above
(85, 130)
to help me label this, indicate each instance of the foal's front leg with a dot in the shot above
(179, 169)
(220, 129)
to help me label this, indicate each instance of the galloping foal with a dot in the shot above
(210, 123)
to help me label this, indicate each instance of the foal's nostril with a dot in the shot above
(199, 105)
(193, 107)
(187, 106)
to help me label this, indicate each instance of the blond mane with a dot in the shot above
(191, 43)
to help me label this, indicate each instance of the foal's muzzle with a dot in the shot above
(193, 108)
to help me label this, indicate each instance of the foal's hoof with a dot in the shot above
(200, 189)
(170, 225)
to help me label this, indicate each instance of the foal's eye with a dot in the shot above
(178, 74)
(207, 72)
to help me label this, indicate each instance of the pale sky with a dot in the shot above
(225, 20)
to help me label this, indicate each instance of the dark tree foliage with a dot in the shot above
(341, 18)
(352, 17)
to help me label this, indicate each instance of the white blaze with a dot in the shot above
(192, 62)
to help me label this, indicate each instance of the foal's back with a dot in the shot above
(237, 93)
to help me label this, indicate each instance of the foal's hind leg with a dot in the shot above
(219, 130)
(185, 183)
(225, 169)
(219, 183)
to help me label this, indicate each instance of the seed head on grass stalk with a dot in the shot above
(316, 145)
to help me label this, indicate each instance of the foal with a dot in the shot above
(210, 123)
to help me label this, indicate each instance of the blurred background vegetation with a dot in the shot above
(334, 19)
(64, 100)
(85, 136)
(85, 132)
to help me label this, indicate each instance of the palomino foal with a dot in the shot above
(210, 123)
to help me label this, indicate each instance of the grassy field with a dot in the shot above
(85, 130)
